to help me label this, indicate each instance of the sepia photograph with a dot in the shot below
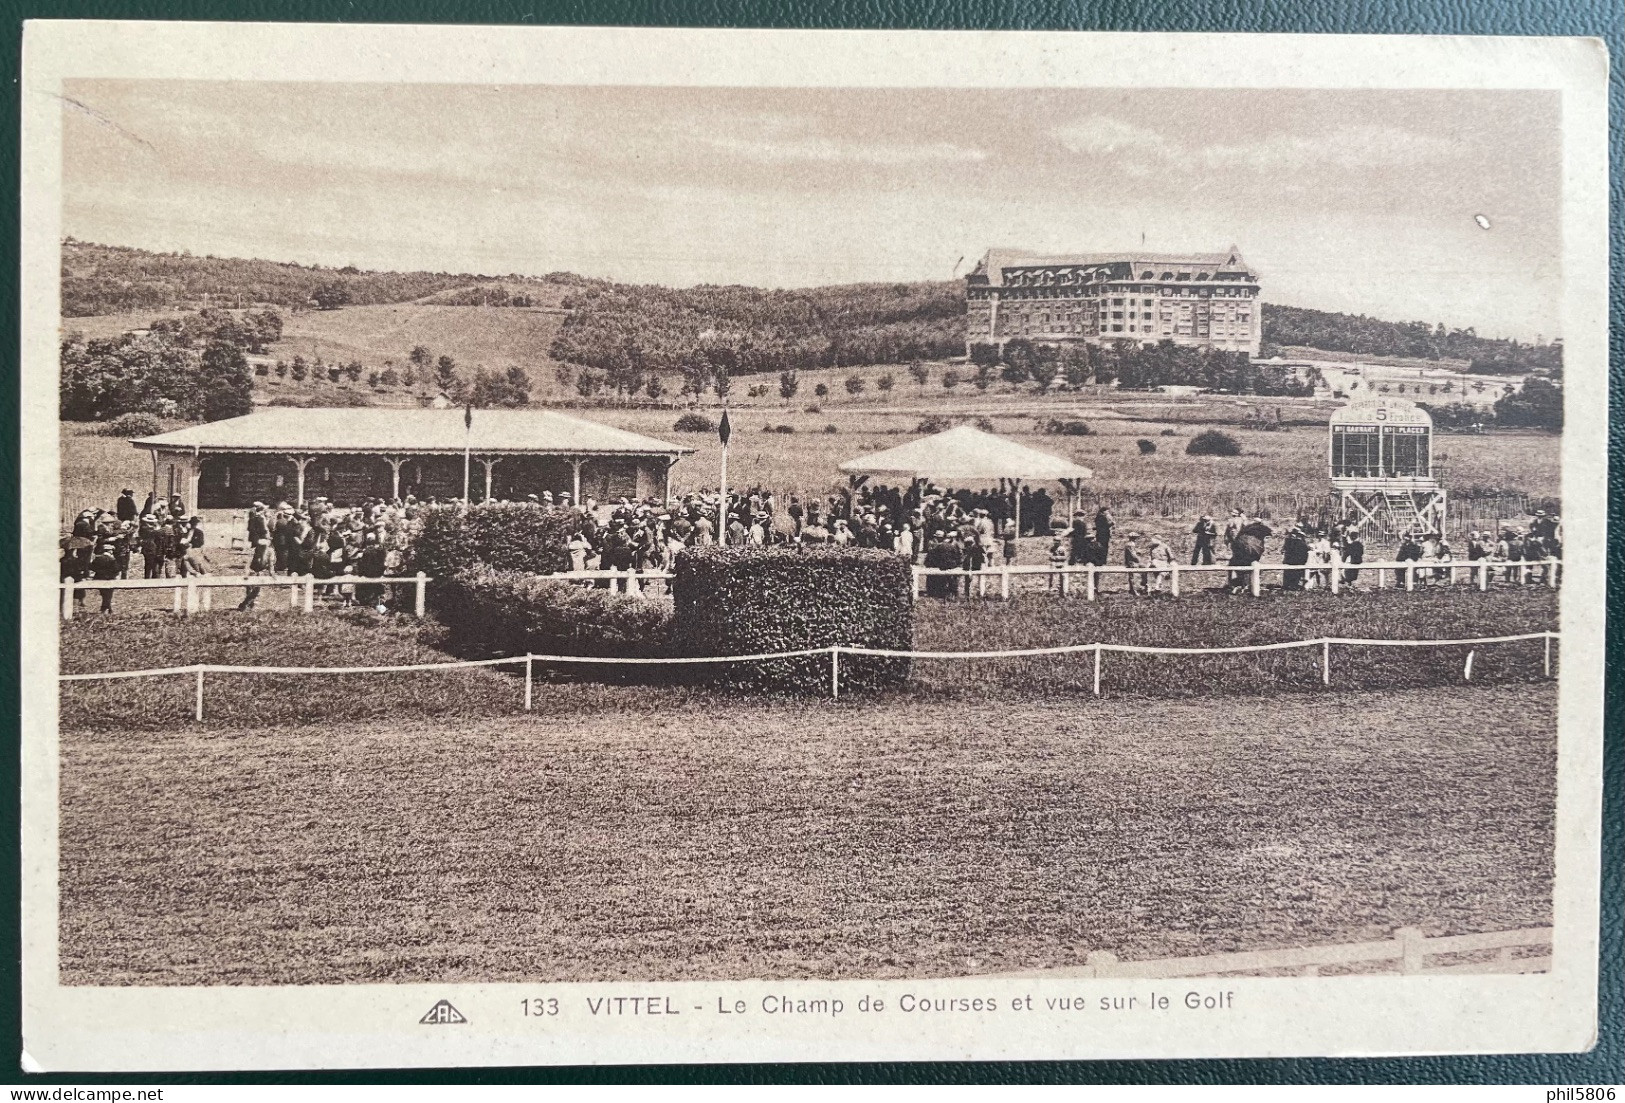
(940, 545)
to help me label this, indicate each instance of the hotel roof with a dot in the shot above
(411, 431)
(993, 264)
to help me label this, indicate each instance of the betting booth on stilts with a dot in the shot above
(1381, 460)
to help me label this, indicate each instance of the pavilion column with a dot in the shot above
(394, 474)
(300, 463)
(194, 475)
(155, 455)
(665, 486)
(575, 470)
(488, 462)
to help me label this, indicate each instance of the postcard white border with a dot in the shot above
(90, 1028)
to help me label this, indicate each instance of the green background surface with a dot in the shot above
(1598, 18)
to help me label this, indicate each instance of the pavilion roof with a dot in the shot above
(966, 454)
(410, 431)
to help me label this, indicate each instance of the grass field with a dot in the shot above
(274, 636)
(652, 841)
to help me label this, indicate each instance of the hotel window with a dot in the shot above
(1117, 302)
(1117, 314)
(1117, 329)
(1146, 315)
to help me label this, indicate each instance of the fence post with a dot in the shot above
(1066, 581)
(67, 601)
(1410, 577)
(1097, 670)
(834, 672)
(197, 709)
(178, 592)
(1326, 662)
(1337, 570)
(418, 606)
(1547, 665)
(1093, 585)
(1258, 587)
(293, 595)
(1483, 575)
(310, 594)
(919, 578)
(191, 596)
(207, 594)
(1174, 575)
(1004, 582)
(1551, 573)
(1411, 950)
(1382, 578)
(528, 660)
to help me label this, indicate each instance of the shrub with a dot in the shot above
(1169, 433)
(784, 428)
(985, 424)
(831, 429)
(132, 425)
(287, 400)
(1211, 442)
(694, 423)
(934, 423)
(344, 398)
(492, 613)
(498, 536)
(1056, 427)
(740, 601)
(1147, 447)
(815, 408)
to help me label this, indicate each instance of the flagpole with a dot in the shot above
(724, 431)
(468, 438)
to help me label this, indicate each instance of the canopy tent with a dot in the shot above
(964, 455)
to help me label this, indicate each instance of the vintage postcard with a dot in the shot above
(591, 545)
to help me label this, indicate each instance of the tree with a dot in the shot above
(950, 379)
(445, 372)
(225, 385)
(353, 370)
(298, 369)
(721, 381)
(1045, 371)
(372, 378)
(789, 384)
(821, 390)
(1019, 357)
(1075, 365)
(421, 358)
(281, 369)
(920, 373)
(587, 383)
(335, 372)
(983, 377)
(654, 388)
(332, 295)
(389, 377)
(855, 385)
(886, 383)
(1538, 405)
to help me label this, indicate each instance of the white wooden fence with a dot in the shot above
(195, 593)
(1409, 949)
(1405, 575)
(1096, 650)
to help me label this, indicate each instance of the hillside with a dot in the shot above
(1286, 326)
(114, 279)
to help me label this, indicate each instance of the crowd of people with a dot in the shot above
(945, 530)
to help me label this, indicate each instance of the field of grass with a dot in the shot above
(275, 636)
(654, 841)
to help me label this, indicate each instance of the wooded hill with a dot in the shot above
(630, 329)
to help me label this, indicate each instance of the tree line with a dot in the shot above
(624, 334)
(1356, 333)
(1133, 366)
(112, 279)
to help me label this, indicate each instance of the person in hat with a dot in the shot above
(1294, 552)
(1353, 553)
(1410, 551)
(1133, 558)
(1104, 523)
(126, 508)
(192, 549)
(1161, 558)
(1206, 534)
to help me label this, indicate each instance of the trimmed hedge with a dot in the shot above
(1211, 442)
(499, 613)
(498, 536)
(748, 600)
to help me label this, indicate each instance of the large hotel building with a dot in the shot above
(1204, 299)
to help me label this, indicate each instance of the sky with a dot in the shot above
(1405, 205)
